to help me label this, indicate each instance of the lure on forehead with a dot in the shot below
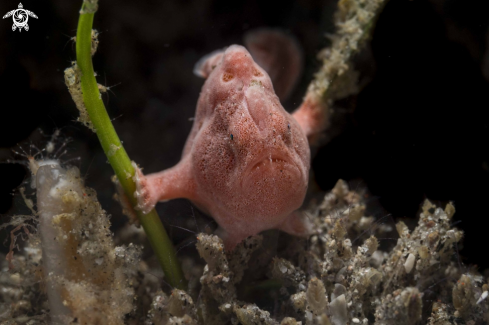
(246, 161)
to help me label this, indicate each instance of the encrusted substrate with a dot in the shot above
(354, 20)
(82, 277)
(340, 275)
(333, 278)
(73, 78)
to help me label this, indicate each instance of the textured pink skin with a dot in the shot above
(246, 160)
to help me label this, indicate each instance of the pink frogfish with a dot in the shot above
(246, 161)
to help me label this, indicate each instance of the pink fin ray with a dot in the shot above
(297, 224)
(168, 184)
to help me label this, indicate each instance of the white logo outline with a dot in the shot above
(20, 17)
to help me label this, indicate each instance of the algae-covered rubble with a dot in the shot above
(339, 275)
(70, 270)
(330, 280)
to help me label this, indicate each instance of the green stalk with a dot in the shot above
(119, 160)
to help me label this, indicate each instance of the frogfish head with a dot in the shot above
(250, 155)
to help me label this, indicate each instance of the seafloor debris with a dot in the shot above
(334, 281)
(70, 262)
(331, 278)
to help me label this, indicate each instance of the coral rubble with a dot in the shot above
(342, 274)
(84, 276)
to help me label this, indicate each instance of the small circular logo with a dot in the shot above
(20, 17)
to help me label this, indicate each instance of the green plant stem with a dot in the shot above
(118, 158)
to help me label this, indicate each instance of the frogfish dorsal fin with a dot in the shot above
(279, 55)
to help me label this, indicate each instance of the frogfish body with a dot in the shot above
(246, 160)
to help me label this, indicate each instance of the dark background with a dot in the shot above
(418, 129)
